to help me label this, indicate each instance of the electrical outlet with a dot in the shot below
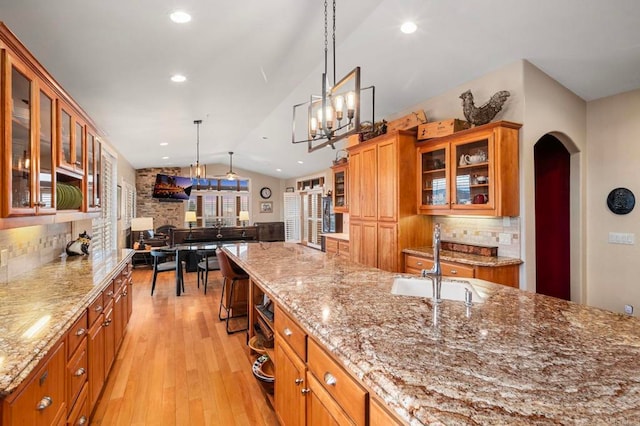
(621, 238)
(4, 258)
(628, 309)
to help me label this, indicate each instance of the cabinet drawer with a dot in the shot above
(416, 262)
(96, 309)
(331, 245)
(337, 382)
(456, 270)
(80, 414)
(77, 332)
(109, 292)
(77, 373)
(343, 248)
(290, 332)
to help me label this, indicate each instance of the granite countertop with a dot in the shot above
(465, 258)
(54, 294)
(518, 358)
(337, 235)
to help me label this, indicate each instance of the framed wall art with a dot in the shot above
(266, 207)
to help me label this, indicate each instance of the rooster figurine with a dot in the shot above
(484, 114)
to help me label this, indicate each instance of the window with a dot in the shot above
(292, 217)
(221, 207)
(104, 227)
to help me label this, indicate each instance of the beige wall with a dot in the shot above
(613, 160)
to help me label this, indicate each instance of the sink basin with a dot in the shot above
(423, 287)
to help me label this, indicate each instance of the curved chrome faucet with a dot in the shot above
(435, 273)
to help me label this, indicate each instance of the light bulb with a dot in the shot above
(329, 114)
(313, 127)
(339, 105)
(351, 104)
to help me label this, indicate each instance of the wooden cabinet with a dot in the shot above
(42, 400)
(341, 188)
(337, 246)
(96, 347)
(383, 212)
(506, 274)
(290, 381)
(472, 172)
(379, 416)
(44, 140)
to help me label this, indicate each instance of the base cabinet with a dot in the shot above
(506, 275)
(322, 409)
(290, 381)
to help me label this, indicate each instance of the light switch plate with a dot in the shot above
(622, 238)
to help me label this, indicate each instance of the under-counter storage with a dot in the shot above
(472, 172)
(42, 400)
(500, 274)
(337, 246)
(345, 391)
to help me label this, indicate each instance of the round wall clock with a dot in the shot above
(265, 192)
(621, 201)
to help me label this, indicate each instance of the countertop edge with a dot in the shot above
(464, 258)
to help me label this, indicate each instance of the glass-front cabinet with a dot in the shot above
(28, 158)
(472, 172)
(94, 151)
(433, 165)
(72, 140)
(340, 191)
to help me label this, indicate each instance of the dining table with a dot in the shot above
(181, 252)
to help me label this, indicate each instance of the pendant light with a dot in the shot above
(335, 114)
(198, 171)
(230, 174)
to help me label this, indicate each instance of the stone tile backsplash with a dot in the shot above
(501, 232)
(32, 246)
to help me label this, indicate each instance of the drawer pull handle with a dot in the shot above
(81, 331)
(304, 391)
(287, 332)
(453, 272)
(98, 308)
(419, 263)
(299, 381)
(330, 379)
(79, 372)
(110, 293)
(82, 420)
(44, 403)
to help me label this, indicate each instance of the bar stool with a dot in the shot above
(231, 276)
(208, 262)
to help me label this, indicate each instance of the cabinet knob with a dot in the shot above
(330, 379)
(79, 372)
(82, 420)
(305, 391)
(287, 332)
(419, 263)
(81, 331)
(107, 323)
(453, 272)
(98, 308)
(110, 293)
(44, 403)
(298, 381)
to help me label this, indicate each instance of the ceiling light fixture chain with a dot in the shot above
(324, 123)
(199, 171)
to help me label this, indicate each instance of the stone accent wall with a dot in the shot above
(163, 213)
(32, 246)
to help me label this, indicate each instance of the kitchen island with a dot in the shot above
(515, 358)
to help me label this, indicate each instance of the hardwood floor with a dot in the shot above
(178, 366)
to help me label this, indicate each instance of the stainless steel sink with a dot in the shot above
(420, 287)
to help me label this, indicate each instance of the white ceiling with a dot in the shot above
(248, 62)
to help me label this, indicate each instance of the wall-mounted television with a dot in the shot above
(171, 188)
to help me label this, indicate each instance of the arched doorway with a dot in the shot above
(553, 220)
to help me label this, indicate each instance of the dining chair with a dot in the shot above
(208, 262)
(231, 278)
(164, 262)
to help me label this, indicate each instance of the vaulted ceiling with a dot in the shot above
(248, 62)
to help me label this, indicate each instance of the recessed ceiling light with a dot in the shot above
(300, 162)
(265, 137)
(278, 170)
(164, 143)
(165, 158)
(180, 17)
(408, 27)
(178, 78)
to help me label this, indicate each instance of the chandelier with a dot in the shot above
(335, 114)
(198, 171)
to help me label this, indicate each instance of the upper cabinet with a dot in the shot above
(472, 172)
(340, 188)
(51, 153)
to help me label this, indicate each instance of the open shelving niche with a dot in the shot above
(261, 321)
